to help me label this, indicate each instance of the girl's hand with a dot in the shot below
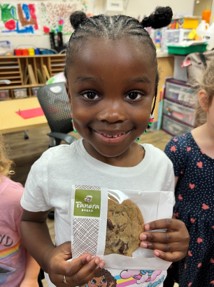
(73, 272)
(168, 238)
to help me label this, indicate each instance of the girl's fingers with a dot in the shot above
(166, 223)
(168, 238)
(77, 270)
(84, 263)
(161, 237)
(170, 247)
(166, 231)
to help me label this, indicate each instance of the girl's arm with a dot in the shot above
(31, 273)
(36, 237)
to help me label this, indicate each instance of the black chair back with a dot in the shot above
(55, 104)
(54, 101)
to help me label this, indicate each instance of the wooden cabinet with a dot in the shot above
(27, 73)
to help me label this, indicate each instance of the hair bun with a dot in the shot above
(158, 19)
(76, 18)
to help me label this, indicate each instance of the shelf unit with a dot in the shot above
(27, 73)
(178, 107)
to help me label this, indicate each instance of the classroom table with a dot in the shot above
(10, 121)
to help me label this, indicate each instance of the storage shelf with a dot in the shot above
(28, 72)
(19, 86)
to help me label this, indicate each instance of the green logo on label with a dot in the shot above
(87, 203)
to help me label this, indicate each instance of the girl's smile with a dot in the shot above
(111, 137)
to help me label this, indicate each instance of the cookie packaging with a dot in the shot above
(99, 213)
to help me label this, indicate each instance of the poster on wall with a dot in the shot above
(61, 12)
(20, 18)
(38, 17)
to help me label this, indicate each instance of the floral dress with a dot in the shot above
(195, 207)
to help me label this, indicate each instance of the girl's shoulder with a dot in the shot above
(60, 150)
(9, 183)
(150, 148)
(10, 188)
(182, 141)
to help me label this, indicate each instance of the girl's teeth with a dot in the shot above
(112, 136)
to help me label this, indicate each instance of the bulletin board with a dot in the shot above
(38, 17)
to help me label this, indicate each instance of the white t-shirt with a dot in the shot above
(49, 183)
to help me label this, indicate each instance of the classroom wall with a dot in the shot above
(135, 8)
(145, 7)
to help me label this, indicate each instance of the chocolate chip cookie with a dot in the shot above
(124, 225)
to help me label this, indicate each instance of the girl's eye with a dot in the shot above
(134, 96)
(90, 95)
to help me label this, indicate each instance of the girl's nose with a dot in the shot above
(112, 111)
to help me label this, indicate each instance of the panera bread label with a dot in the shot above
(87, 203)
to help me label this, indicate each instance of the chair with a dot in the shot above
(55, 104)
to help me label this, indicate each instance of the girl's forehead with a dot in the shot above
(124, 52)
(129, 45)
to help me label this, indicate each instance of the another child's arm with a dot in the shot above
(168, 238)
(54, 259)
(31, 273)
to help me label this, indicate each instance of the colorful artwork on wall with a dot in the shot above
(18, 18)
(61, 11)
(38, 17)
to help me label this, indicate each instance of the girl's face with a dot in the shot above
(111, 84)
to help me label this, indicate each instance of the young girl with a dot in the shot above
(111, 71)
(193, 157)
(17, 268)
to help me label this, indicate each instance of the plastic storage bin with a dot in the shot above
(173, 127)
(4, 95)
(180, 92)
(176, 35)
(180, 72)
(179, 112)
(20, 93)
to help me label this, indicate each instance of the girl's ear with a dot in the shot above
(203, 100)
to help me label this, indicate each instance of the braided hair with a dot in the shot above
(114, 28)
